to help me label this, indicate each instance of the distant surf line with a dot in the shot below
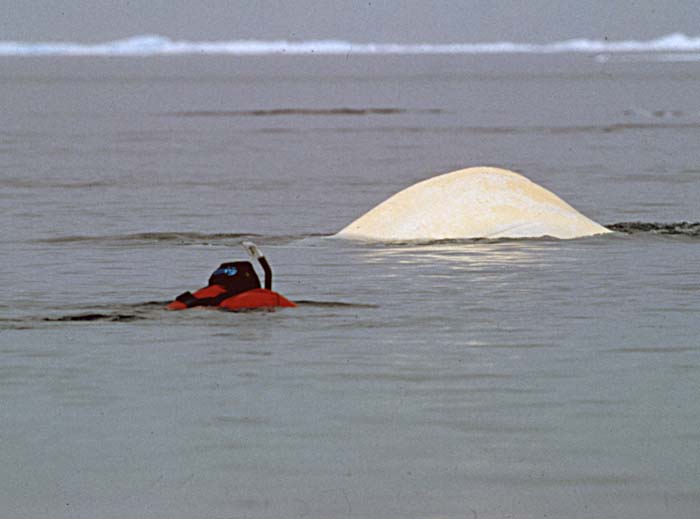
(155, 45)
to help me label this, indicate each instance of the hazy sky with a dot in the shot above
(360, 21)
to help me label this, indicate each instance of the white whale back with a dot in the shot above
(479, 202)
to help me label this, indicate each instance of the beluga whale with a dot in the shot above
(478, 202)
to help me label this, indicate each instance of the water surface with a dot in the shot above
(485, 379)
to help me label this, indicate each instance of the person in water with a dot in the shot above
(235, 286)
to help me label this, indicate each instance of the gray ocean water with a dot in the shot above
(489, 379)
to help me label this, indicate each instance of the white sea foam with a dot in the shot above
(159, 45)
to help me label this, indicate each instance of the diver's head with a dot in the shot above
(235, 277)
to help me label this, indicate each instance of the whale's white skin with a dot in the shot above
(479, 202)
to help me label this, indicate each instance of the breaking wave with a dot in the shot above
(154, 45)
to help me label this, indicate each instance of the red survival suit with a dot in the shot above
(234, 286)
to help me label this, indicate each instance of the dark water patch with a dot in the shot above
(617, 127)
(563, 480)
(275, 112)
(178, 238)
(113, 313)
(149, 310)
(277, 130)
(333, 304)
(137, 316)
(477, 427)
(683, 178)
(614, 127)
(240, 420)
(514, 346)
(689, 436)
(149, 237)
(673, 496)
(657, 349)
(494, 130)
(95, 317)
(29, 323)
(547, 404)
(415, 378)
(507, 391)
(686, 367)
(675, 228)
(657, 114)
(119, 312)
(22, 183)
(597, 402)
